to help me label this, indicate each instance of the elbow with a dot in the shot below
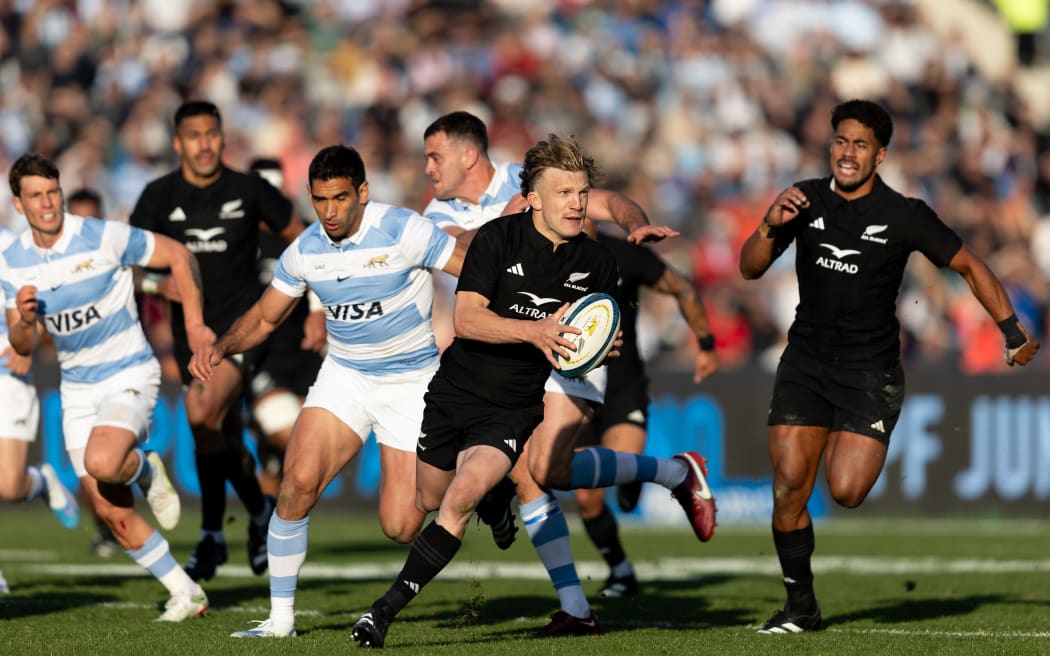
(749, 273)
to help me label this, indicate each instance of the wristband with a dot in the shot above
(150, 283)
(707, 342)
(1011, 329)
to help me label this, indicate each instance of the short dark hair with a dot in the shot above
(338, 162)
(867, 113)
(85, 195)
(461, 125)
(192, 108)
(27, 165)
(555, 153)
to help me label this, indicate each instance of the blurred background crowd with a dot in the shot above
(700, 110)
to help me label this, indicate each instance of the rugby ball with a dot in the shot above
(598, 318)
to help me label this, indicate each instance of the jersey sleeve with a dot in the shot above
(481, 266)
(437, 211)
(425, 243)
(289, 275)
(649, 267)
(129, 245)
(275, 208)
(931, 236)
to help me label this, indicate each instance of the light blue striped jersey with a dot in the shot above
(505, 184)
(375, 286)
(6, 237)
(85, 294)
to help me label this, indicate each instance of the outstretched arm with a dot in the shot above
(605, 205)
(186, 275)
(692, 308)
(252, 329)
(986, 288)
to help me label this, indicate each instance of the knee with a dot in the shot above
(847, 496)
(590, 503)
(401, 530)
(12, 488)
(550, 475)
(102, 466)
(297, 495)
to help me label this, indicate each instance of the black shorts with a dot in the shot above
(295, 371)
(626, 402)
(247, 363)
(454, 420)
(810, 393)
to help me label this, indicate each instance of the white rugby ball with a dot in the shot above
(598, 318)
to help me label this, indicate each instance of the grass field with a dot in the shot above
(886, 587)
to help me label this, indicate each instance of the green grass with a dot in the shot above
(886, 587)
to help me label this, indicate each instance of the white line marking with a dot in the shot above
(665, 569)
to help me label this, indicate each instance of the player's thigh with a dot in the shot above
(207, 402)
(320, 446)
(852, 464)
(553, 441)
(794, 452)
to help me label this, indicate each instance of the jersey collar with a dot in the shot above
(71, 224)
(369, 218)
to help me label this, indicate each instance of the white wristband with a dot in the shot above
(150, 283)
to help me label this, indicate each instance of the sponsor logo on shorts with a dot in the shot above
(879, 426)
(512, 443)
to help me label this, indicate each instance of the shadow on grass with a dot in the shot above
(20, 605)
(896, 611)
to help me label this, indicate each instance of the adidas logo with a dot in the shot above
(636, 416)
(516, 270)
(878, 426)
(817, 223)
(412, 585)
(177, 215)
(512, 443)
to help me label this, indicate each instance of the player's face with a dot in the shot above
(40, 200)
(339, 205)
(199, 142)
(447, 164)
(559, 203)
(855, 153)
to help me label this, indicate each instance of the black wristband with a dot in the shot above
(771, 230)
(1011, 329)
(707, 342)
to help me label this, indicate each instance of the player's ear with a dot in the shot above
(362, 192)
(880, 155)
(534, 201)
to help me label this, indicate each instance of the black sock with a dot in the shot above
(605, 535)
(213, 490)
(433, 549)
(795, 549)
(240, 471)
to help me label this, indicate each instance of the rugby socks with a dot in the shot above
(549, 533)
(795, 549)
(431, 551)
(605, 535)
(155, 556)
(37, 483)
(286, 552)
(213, 490)
(600, 467)
(239, 469)
(144, 474)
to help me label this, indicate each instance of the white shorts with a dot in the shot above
(125, 400)
(590, 387)
(21, 414)
(392, 406)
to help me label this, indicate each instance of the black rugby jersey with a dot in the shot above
(220, 224)
(638, 267)
(850, 259)
(521, 274)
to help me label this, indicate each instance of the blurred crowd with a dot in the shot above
(700, 110)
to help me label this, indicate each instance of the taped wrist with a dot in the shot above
(1011, 329)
